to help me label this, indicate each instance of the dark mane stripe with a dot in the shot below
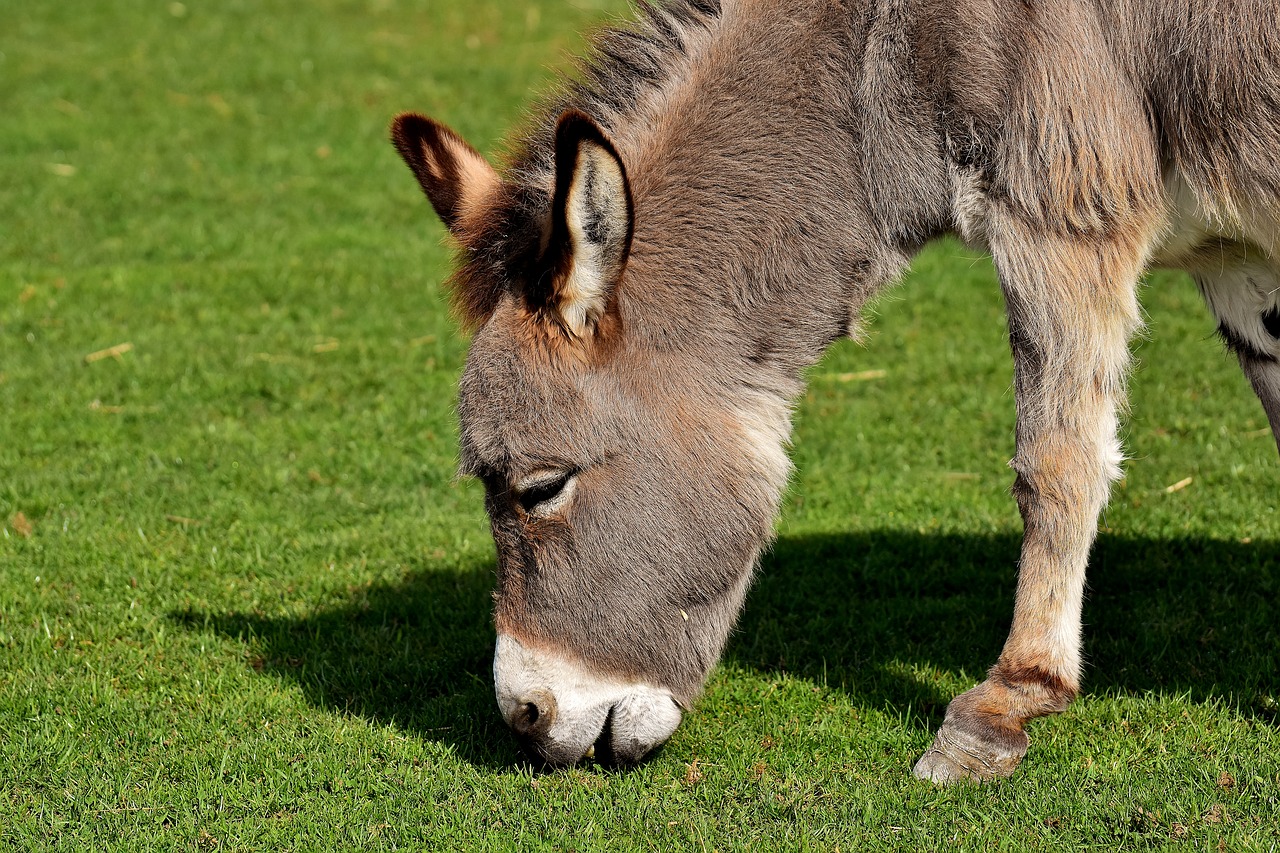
(625, 63)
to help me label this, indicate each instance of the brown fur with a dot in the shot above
(783, 160)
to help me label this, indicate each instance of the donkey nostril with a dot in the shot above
(531, 718)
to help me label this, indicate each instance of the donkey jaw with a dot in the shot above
(561, 712)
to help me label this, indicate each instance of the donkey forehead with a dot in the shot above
(520, 404)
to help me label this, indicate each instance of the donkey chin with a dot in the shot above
(562, 713)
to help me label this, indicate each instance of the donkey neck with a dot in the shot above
(742, 129)
(787, 158)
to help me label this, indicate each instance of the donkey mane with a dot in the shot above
(627, 64)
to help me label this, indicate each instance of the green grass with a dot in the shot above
(244, 602)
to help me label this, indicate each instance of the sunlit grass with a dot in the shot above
(244, 601)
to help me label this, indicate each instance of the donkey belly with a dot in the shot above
(1236, 264)
(1189, 226)
(1196, 237)
(1234, 260)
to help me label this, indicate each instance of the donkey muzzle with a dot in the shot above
(562, 712)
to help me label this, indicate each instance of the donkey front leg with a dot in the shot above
(1072, 309)
(1244, 294)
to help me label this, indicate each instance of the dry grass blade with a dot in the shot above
(859, 376)
(21, 525)
(110, 352)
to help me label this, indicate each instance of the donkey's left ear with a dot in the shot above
(592, 220)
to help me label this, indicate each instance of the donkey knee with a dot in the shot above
(1067, 476)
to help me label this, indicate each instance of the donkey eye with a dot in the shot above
(545, 492)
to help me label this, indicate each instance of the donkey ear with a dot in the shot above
(592, 222)
(455, 177)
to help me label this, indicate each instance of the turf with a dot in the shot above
(244, 600)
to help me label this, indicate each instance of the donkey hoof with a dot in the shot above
(960, 756)
(934, 766)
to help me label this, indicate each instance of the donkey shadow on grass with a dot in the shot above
(1190, 616)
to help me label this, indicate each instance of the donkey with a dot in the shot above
(709, 204)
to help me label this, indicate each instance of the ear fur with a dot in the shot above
(455, 177)
(592, 221)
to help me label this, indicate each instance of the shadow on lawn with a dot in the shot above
(416, 655)
(1192, 616)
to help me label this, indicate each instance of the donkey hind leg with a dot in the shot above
(1245, 298)
(1072, 308)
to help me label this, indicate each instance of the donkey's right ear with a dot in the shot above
(455, 177)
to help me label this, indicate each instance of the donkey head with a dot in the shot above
(629, 492)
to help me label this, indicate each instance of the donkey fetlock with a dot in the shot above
(982, 736)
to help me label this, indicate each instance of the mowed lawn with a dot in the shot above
(244, 600)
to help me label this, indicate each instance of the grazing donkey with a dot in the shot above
(711, 204)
